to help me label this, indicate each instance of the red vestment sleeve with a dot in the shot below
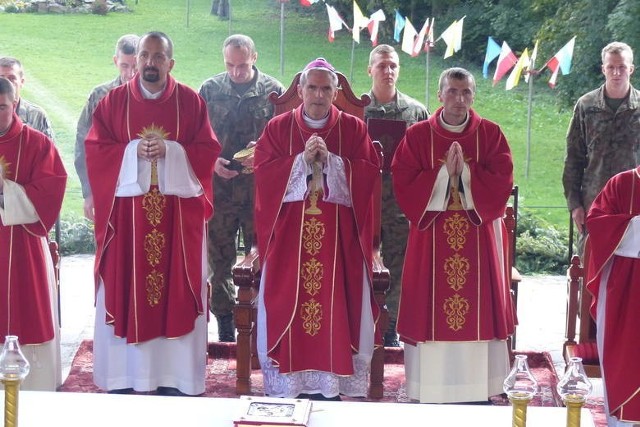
(607, 222)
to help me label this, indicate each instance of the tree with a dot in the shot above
(595, 23)
(585, 19)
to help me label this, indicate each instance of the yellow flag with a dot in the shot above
(514, 77)
(452, 36)
(359, 21)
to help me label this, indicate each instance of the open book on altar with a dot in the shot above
(389, 133)
(273, 411)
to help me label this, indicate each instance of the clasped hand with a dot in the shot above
(315, 150)
(152, 149)
(455, 159)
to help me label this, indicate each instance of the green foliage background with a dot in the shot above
(65, 56)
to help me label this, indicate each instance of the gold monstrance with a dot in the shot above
(149, 133)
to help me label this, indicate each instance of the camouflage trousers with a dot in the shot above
(395, 231)
(223, 251)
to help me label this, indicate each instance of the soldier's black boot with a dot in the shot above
(226, 328)
(391, 336)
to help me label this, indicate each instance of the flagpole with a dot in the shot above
(229, 15)
(529, 114)
(353, 49)
(532, 74)
(188, 11)
(281, 38)
(426, 94)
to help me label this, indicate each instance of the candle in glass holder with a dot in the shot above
(520, 386)
(574, 387)
(14, 368)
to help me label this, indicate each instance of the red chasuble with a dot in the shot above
(607, 222)
(316, 253)
(149, 247)
(454, 287)
(29, 158)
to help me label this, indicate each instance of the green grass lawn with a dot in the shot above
(65, 56)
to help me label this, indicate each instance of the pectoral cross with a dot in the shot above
(316, 189)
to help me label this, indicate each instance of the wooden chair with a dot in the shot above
(511, 223)
(579, 321)
(246, 273)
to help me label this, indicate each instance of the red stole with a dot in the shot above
(29, 158)
(453, 286)
(607, 221)
(314, 251)
(149, 247)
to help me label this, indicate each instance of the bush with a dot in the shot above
(76, 236)
(540, 247)
(99, 7)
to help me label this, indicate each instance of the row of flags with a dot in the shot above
(414, 42)
(507, 60)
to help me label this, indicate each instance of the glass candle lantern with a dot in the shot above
(574, 387)
(14, 368)
(520, 387)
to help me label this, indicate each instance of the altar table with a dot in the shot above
(108, 410)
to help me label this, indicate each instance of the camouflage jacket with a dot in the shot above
(34, 116)
(237, 120)
(407, 109)
(84, 124)
(600, 143)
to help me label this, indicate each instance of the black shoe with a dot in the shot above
(121, 391)
(169, 391)
(226, 328)
(320, 396)
(391, 339)
(391, 336)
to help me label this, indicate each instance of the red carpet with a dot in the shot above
(221, 376)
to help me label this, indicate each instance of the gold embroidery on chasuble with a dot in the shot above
(311, 313)
(154, 287)
(311, 273)
(154, 204)
(456, 227)
(312, 235)
(456, 268)
(153, 246)
(456, 309)
(312, 276)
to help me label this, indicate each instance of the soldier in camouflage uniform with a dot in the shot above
(239, 109)
(124, 59)
(31, 114)
(389, 103)
(604, 134)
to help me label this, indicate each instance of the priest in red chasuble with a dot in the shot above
(614, 280)
(315, 171)
(32, 183)
(452, 176)
(150, 156)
